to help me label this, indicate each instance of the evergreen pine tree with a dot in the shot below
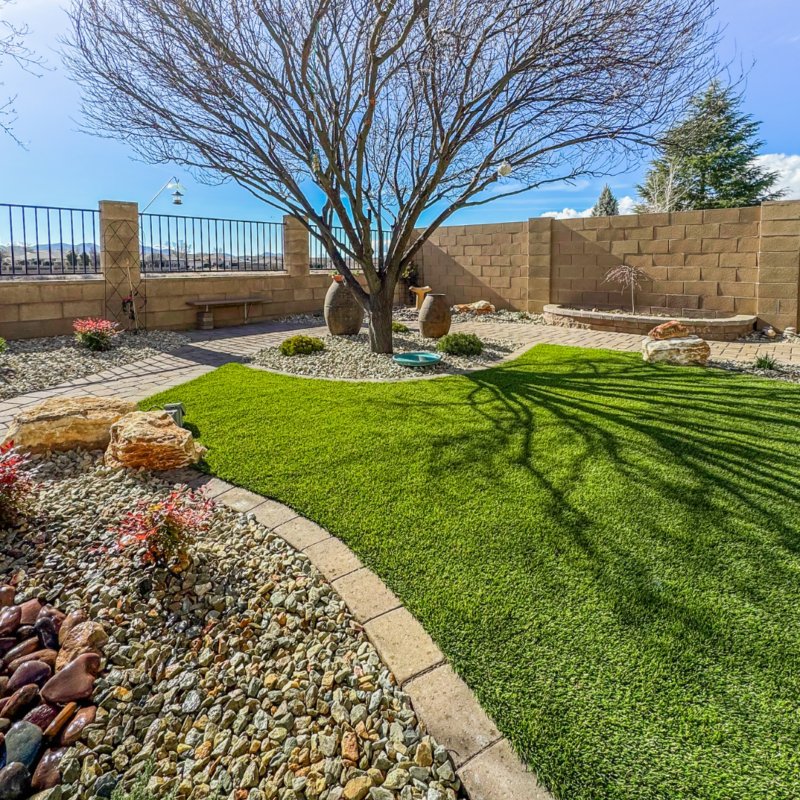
(607, 205)
(709, 158)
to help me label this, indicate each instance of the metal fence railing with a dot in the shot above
(42, 241)
(320, 260)
(205, 244)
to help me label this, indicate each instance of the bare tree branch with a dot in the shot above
(12, 46)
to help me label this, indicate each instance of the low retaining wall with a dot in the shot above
(48, 307)
(724, 329)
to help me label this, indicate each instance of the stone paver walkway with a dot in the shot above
(209, 350)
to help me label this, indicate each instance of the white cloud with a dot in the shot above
(789, 169)
(626, 205)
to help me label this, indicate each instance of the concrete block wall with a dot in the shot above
(697, 263)
(779, 264)
(479, 262)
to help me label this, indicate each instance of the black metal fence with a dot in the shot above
(206, 244)
(320, 260)
(41, 240)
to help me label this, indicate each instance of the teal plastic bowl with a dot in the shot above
(417, 359)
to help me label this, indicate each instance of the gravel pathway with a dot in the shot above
(29, 365)
(243, 677)
(349, 357)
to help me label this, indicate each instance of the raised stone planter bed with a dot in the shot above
(723, 329)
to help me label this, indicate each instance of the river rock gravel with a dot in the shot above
(349, 357)
(242, 677)
(29, 365)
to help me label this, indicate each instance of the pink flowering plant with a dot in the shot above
(16, 488)
(166, 527)
(95, 334)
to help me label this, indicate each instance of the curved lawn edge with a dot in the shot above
(485, 761)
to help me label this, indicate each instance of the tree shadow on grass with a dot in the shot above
(710, 446)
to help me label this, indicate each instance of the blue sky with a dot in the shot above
(63, 167)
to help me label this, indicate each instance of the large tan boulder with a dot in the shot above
(683, 351)
(66, 423)
(152, 440)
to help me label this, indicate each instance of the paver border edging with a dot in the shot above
(485, 762)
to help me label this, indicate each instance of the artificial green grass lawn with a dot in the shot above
(608, 552)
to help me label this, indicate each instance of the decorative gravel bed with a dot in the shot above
(789, 373)
(350, 357)
(501, 315)
(29, 365)
(242, 676)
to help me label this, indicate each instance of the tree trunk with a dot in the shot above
(379, 315)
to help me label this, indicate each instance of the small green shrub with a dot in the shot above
(460, 344)
(397, 327)
(766, 362)
(2, 345)
(301, 345)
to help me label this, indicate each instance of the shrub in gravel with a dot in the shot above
(766, 362)
(301, 345)
(15, 486)
(167, 527)
(398, 327)
(460, 344)
(3, 345)
(94, 334)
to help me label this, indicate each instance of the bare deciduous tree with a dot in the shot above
(12, 46)
(393, 111)
(661, 191)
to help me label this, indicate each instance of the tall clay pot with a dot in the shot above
(343, 314)
(434, 316)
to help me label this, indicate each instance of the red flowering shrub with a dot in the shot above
(15, 486)
(96, 334)
(166, 527)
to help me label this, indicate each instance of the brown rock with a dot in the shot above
(48, 773)
(350, 746)
(9, 620)
(7, 595)
(66, 423)
(73, 731)
(43, 715)
(357, 788)
(7, 643)
(29, 611)
(669, 330)
(64, 716)
(22, 649)
(70, 621)
(50, 612)
(152, 440)
(88, 637)
(74, 682)
(685, 351)
(20, 701)
(3, 683)
(47, 656)
(36, 672)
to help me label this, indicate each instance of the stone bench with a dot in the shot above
(205, 318)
